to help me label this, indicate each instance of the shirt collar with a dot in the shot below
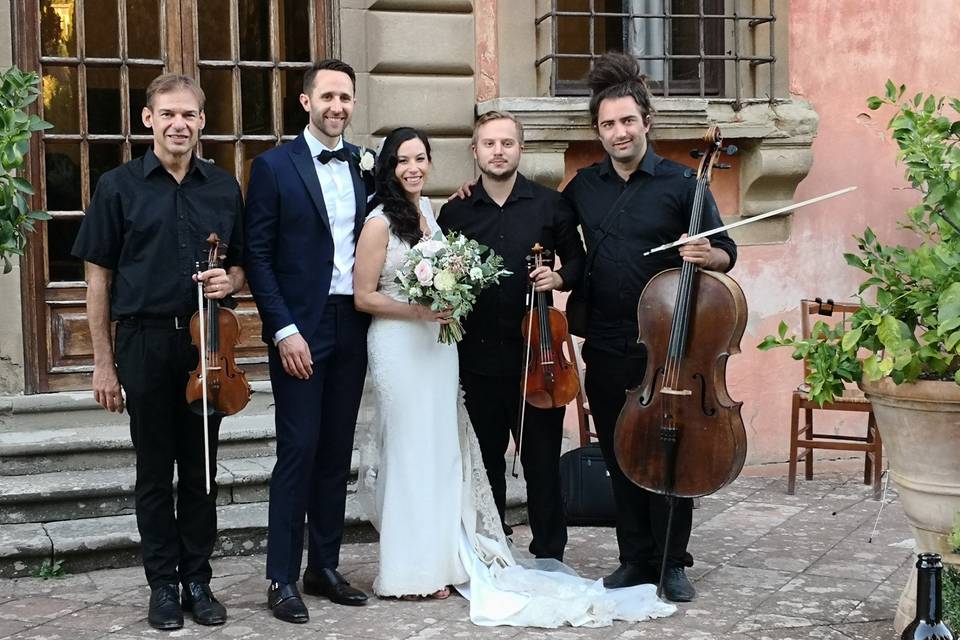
(521, 189)
(316, 146)
(151, 163)
(648, 164)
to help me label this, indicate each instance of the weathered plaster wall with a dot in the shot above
(840, 54)
(11, 326)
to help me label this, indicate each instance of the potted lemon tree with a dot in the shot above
(903, 345)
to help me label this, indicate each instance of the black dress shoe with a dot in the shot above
(285, 602)
(330, 584)
(630, 574)
(165, 613)
(676, 586)
(198, 600)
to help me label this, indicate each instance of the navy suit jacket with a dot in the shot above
(289, 250)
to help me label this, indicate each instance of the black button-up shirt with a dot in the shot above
(492, 343)
(657, 213)
(151, 230)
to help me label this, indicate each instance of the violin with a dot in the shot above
(217, 386)
(550, 380)
(680, 433)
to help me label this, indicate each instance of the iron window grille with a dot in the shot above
(705, 48)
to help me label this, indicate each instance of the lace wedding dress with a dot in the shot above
(423, 485)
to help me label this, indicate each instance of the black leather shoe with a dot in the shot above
(677, 587)
(630, 574)
(285, 602)
(165, 613)
(330, 584)
(198, 600)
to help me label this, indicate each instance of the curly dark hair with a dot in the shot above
(617, 75)
(403, 216)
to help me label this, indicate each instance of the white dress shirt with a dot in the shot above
(336, 183)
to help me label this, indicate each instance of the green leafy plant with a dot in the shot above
(908, 325)
(51, 568)
(951, 584)
(18, 90)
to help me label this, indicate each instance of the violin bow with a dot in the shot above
(750, 220)
(203, 373)
(531, 295)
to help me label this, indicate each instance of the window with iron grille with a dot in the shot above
(718, 49)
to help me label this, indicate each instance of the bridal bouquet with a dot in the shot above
(447, 272)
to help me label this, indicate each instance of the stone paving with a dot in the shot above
(768, 567)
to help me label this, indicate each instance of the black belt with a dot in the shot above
(157, 322)
(338, 298)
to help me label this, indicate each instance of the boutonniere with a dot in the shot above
(365, 159)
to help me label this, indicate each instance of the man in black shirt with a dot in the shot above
(657, 210)
(142, 235)
(509, 213)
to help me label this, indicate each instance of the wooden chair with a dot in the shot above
(584, 418)
(803, 436)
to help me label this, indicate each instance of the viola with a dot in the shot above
(217, 386)
(550, 379)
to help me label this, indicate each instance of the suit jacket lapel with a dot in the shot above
(359, 192)
(300, 153)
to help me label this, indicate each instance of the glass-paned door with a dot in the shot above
(96, 58)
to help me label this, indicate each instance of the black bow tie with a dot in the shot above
(342, 154)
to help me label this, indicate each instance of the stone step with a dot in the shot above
(113, 541)
(65, 495)
(105, 446)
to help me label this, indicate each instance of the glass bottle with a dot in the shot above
(928, 623)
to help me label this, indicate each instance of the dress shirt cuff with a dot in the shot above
(285, 332)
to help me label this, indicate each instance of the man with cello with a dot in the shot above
(510, 214)
(144, 231)
(629, 202)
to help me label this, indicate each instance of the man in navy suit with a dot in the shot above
(305, 206)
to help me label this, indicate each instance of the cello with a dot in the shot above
(680, 434)
(217, 386)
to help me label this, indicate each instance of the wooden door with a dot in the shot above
(96, 58)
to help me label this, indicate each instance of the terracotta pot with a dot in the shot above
(920, 427)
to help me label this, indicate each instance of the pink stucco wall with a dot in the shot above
(840, 53)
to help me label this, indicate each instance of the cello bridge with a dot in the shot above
(676, 392)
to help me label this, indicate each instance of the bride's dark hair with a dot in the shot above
(403, 216)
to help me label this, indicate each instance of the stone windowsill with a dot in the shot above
(774, 140)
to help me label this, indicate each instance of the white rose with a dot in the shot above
(366, 160)
(476, 273)
(429, 248)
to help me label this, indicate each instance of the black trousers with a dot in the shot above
(641, 514)
(493, 403)
(177, 537)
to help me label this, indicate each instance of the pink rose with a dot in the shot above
(424, 272)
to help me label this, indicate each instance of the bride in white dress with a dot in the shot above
(431, 500)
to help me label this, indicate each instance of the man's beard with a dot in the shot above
(500, 177)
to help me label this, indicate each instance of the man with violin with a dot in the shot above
(142, 236)
(627, 203)
(510, 214)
